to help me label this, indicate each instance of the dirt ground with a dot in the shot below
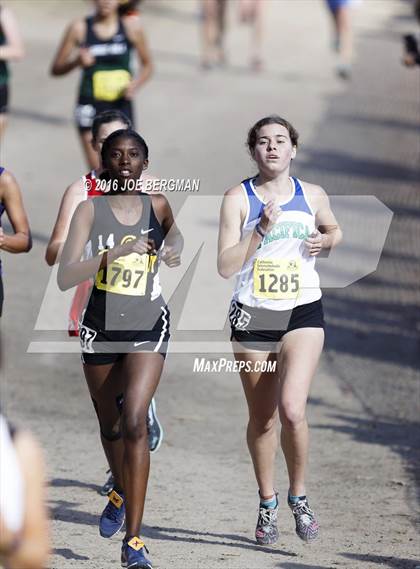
(358, 138)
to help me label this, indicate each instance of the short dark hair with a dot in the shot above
(127, 6)
(123, 133)
(106, 117)
(271, 119)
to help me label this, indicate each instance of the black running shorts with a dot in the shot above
(260, 329)
(101, 346)
(4, 98)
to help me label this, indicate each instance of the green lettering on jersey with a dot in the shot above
(287, 230)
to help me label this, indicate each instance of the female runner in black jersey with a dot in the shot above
(125, 329)
(101, 45)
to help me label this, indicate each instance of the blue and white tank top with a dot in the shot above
(281, 274)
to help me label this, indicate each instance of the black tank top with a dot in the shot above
(126, 294)
(108, 77)
(4, 71)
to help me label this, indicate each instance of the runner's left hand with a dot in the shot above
(130, 91)
(171, 257)
(313, 243)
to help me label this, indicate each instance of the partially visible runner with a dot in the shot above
(411, 56)
(11, 202)
(340, 11)
(84, 188)
(11, 48)
(251, 12)
(24, 539)
(272, 227)
(129, 8)
(125, 328)
(213, 32)
(101, 46)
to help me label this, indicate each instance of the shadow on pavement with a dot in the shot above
(345, 164)
(64, 511)
(383, 561)
(67, 482)
(383, 122)
(69, 554)
(158, 532)
(292, 565)
(366, 328)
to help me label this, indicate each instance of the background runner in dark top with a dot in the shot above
(11, 48)
(11, 203)
(100, 45)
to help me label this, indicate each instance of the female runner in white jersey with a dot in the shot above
(272, 227)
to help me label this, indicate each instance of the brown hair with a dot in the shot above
(272, 119)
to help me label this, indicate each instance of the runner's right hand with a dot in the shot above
(139, 246)
(270, 215)
(86, 59)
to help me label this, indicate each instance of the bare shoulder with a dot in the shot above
(76, 189)
(75, 193)
(77, 29)
(316, 195)
(132, 25)
(234, 200)
(159, 201)
(7, 180)
(235, 191)
(313, 190)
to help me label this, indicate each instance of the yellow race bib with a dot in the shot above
(278, 279)
(110, 85)
(126, 275)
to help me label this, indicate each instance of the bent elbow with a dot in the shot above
(50, 256)
(223, 271)
(29, 244)
(55, 70)
(49, 260)
(63, 281)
